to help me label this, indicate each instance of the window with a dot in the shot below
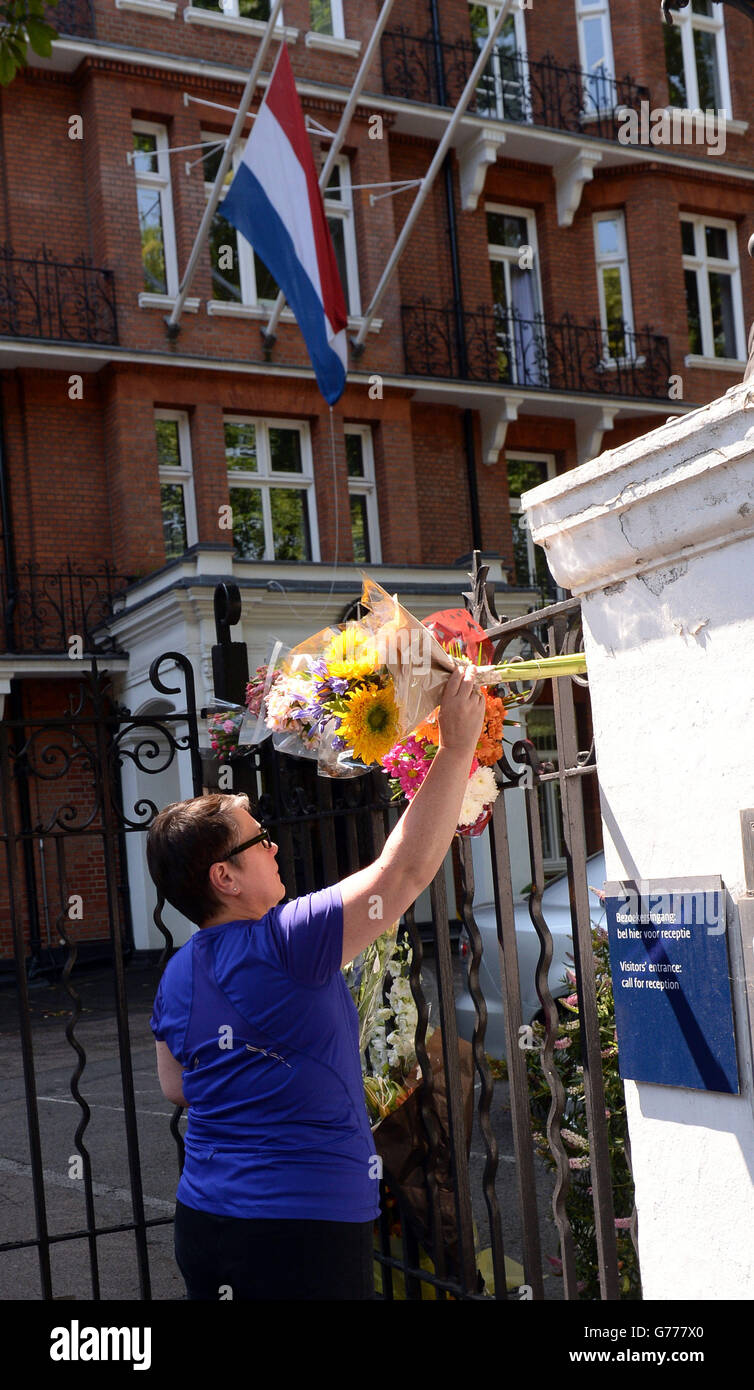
(613, 283)
(540, 728)
(526, 471)
(243, 9)
(362, 495)
(516, 294)
(151, 164)
(326, 17)
(339, 209)
(271, 486)
(713, 288)
(503, 88)
(696, 60)
(238, 275)
(176, 481)
(596, 54)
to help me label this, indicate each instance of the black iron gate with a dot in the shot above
(61, 784)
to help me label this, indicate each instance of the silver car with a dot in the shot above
(557, 914)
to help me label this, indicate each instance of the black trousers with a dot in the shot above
(248, 1258)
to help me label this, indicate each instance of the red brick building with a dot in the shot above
(578, 273)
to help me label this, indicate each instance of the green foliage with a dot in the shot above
(22, 22)
(575, 1134)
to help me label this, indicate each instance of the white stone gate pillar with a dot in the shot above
(657, 538)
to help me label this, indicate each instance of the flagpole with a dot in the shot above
(357, 344)
(268, 333)
(173, 322)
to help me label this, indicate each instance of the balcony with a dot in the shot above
(70, 302)
(43, 610)
(72, 18)
(502, 347)
(513, 87)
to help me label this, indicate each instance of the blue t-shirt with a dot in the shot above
(262, 1020)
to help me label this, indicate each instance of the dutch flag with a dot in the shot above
(276, 203)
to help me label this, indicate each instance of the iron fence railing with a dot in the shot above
(66, 301)
(43, 609)
(88, 785)
(502, 346)
(513, 86)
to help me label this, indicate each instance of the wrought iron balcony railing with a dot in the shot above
(513, 87)
(42, 610)
(74, 18)
(501, 346)
(71, 302)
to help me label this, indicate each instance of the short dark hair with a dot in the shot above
(183, 841)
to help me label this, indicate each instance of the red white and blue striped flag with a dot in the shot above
(276, 203)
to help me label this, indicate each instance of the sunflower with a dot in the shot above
(370, 725)
(351, 655)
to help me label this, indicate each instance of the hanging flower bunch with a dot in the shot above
(380, 988)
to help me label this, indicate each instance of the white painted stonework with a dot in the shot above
(657, 538)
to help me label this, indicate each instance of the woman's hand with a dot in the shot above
(461, 713)
(414, 851)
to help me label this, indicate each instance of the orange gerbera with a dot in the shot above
(429, 728)
(489, 749)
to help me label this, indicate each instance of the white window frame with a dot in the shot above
(342, 208)
(338, 21)
(161, 182)
(701, 262)
(517, 511)
(598, 10)
(229, 9)
(687, 22)
(619, 261)
(367, 487)
(497, 252)
(519, 26)
(249, 296)
(183, 476)
(265, 479)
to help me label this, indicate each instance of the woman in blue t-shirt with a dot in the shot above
(258, 1036)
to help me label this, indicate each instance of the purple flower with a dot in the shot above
(339, 743)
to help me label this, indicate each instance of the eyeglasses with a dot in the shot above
(263, 836)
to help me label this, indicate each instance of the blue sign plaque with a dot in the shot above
(671, 982)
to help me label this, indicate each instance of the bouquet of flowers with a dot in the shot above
(366, 693)
(349, 695)
(379, 984)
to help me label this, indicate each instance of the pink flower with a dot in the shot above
(215, 744)
(622, 1223)
(572, 999)
(556, 1263)
(607, 1114)
(562, 1043)
(228, 726)
(582, 1162)
(570, 976)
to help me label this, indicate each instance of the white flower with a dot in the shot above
(481, 791)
